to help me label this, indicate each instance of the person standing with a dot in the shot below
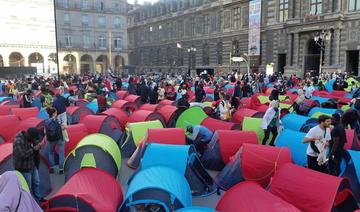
(27, 99)
(24, 153)
(101, 101)
(200, 93)
(309, 90)
(271, 122)
(337, 143)
(237, 90)
(54, 137)
(317, 139)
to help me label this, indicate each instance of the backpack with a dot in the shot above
(53, 130)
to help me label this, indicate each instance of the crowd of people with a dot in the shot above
(154, 87)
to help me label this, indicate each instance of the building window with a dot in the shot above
(86, 41)
(101, 5)
(315, 7)
(68, 41)
(84, 20)
(235, 49)
(219, 52)
(102, 42)
(117, 43)
(283, 10)
(236, 17)
(101, 21)
(354, 5)
(66, 3)
(66, 18)
(117, 22)
(180, 29)
(206, 55)
(117, 7)
(206, 24)
(192, 26)
(84, 4)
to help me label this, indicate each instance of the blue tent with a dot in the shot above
(66, 95)
(37, 103)
(43, 114)
(228, 86)
(196, 209)
(320, 99)
(329, 86)
(293, 90)
(323, 110)
(125, 84)
(93, 106)
(353, 172)
(298, 123)
(1, 87)
(4, 98)
(184, 159)
(293, 140)
(157, 186)
(349, 95)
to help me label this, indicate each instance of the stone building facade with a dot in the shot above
(219, 28)
(92, 35)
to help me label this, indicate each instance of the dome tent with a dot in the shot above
(145, 115)
(160, 188)
(170, 114)
(8, 127)
(75, 114)
(97, 151)
(127, 107)
(134, 133)
(241, 113)
(120, 115)
(76, 132)
(134, 99)
(174, 136)
(24, 113)
(253, 163)
(298, 122)
(223, 145)
(184, 159)
(87, 190)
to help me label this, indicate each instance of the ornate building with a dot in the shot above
(297, 36)
(92, 35)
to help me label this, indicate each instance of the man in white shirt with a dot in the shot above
(309, 90)
(318, 139)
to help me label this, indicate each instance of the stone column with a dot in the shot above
(327, 56)
(296, 49)
(6, 60)
(336, 51)
(289, 51)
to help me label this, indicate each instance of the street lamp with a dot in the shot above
(245, 58)
(319, 39)
(191, 51)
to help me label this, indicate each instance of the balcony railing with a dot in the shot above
(89, 8)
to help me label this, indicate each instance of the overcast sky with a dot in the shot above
(141, 1)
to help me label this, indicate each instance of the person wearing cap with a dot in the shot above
(25, 158)
(199, 136)
(337, 143)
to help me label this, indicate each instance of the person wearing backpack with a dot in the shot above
(54, 137)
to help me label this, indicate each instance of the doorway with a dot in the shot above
(312, 58)
(352, 64)
(281, 63)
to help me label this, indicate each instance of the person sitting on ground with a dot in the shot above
(198, 135)
(318, 138)
(271, 122)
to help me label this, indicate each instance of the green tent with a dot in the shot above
(265, 99)
(286, 106)
(345, 107)
(254, 124)
(23, 182)
(191, 116)
(135, 132)
(317, 114)
(97, 151)
(349, 80)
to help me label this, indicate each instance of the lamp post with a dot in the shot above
(319, 39)
(245, 58)
(56, 42)
(191, 51)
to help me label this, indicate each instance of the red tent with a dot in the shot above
(245, 102)
(76, 133)
(134, 99)
(8, 102)
(241, 113)
(175, 136)
(8, 127)
(306, 189)
(76, 114)
(82, 102)
(215, 124)
(145, 115)
(149, 107)
(120, 115)
(126, 106)
(122, 94)
(352, 140)
(90, 189)
(24, 113)
(6, 109)
(249, 196)
(170, 114)
(31, 122)
(166, 102)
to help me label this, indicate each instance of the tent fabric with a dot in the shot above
(196, 209)
(93, 106)
(320, 99)
(323, 110)
(329, 86)
(170, 114)
(166, 102)
(294, 141)
(184, 159)
(76, 133)
(241, 113)
(158, 179)
(23, 182)
(8, 102)
(24, 113)
(145, 115)
(215, 124)
(75, 113)
(191, 116)
(134, 99)
(31, 122)
(6, 109)
(296, 185)
(254, 124)
(121, 94)
(249, 196)
(353, 172)
(82, 102)
(149, 107)
(6, 164)
(294, 121)
(88, 190)
(120, 115)
(124, 105)
(8, 127)
(107, 125)
(43, 114)
(223, 145)
(175, 136)
(260, 162)
(352, 140)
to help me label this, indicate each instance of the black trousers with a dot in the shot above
(269, 130)
(313, 164)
